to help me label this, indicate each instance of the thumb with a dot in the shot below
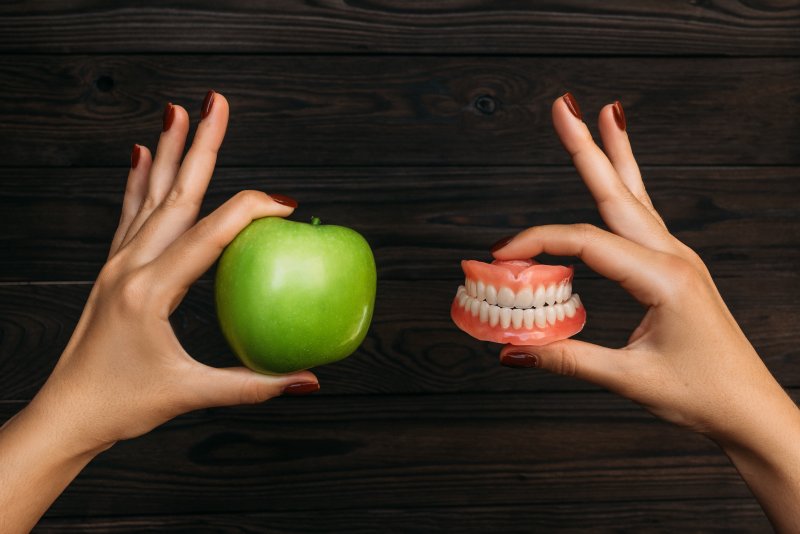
(570, 357)
(238, 385)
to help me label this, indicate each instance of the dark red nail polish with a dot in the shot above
(208, 101)
(135, 153)
(301, 388)
(284, 199)
(572, 104)
(619, 115)
(502, 242)
(169, 116)
(519, 359)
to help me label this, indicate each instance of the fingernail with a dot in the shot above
(502, 243)
(208, 101)
(284, 199)
(301, 388)
(572, 104)
(169, 116)
(137, 150)
(619, 115)
(519, 359)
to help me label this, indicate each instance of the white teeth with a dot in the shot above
(550, 295)
(538, 297)
(569, 308)
(491, 294)
(539, 317)
(505, 317)
(559, 311)
(471, 288)
(577, 300)
(527, 317)
(524, 298)
(481, 289)
(494, 315)
(568, 292)
(505, 297)
(462, 296)
(484, 311)
(516, 318)
(551, 315)
(474, 306)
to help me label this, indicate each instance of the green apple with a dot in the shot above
(293, 295)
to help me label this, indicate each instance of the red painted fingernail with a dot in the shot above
(137, 150)
(619, 115)
(284, 199)
(208, 101)
(169, 116)
(519, 359)
(502, 243)
(572, 104)
(301, 388)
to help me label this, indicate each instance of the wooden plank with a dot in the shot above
(412, 345)
(729, 515)
(385, 26)
(56, 224)
(357, 452)
(405, 110)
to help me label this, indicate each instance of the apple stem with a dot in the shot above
(315, 221)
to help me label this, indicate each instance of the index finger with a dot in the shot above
(641, 271)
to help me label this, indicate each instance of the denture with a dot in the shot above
(521, 302)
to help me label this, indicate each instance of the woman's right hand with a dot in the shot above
(688, 361)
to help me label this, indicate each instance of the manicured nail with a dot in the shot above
(572, 104)
(137, 150)
(207, 103)
(284, 199)
(619, 115)
(301, 388)
(519, 359)
(502, 243)
(169, 116)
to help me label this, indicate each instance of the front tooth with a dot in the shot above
(527, 316)
(474, 307)
(524, 298)
(577, 300)
(484, 311)
(550, 294)
(540, 317)
(559, 311)
(516, 318)
(505, 297)
(559, 292)
(481, 290)
(551, 314)
(538, 297)
(491, 294)
(471, 288)
(568, 292)
(494, 315)
(569, 308)
(505, 317)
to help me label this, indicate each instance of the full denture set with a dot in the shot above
(521, 302)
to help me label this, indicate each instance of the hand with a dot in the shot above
(688, 361)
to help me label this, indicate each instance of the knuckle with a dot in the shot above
(177, 197)
(134, 291)
(249, 198)
(254, 392)
(588, 232)
(565, 363)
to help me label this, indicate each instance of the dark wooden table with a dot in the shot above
(425, 126)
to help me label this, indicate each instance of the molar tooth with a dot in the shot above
(577, 300)
(559, 311)
(550, 294)
(462, 296)
(516, 318)
(568, 292)
(505, 298)
(481, 290)
(484, 311)
(471, 288)
(494, 315)
(569, 308)
(539, 317)
(505, 317)
(524, 298)
(474, 306)
(527, 317)
(551, 314)
(491, 294)
(538, 297)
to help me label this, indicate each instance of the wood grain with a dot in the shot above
(391, 26)
(404, 111)
(56, 224)
(412, 345)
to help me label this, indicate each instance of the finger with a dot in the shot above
(237, 385)
(641, 271)
(616, 144)
(178, 211)
(570, 357)
(620, 210)
(185, 260)
(135, 190)
(175, 126)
